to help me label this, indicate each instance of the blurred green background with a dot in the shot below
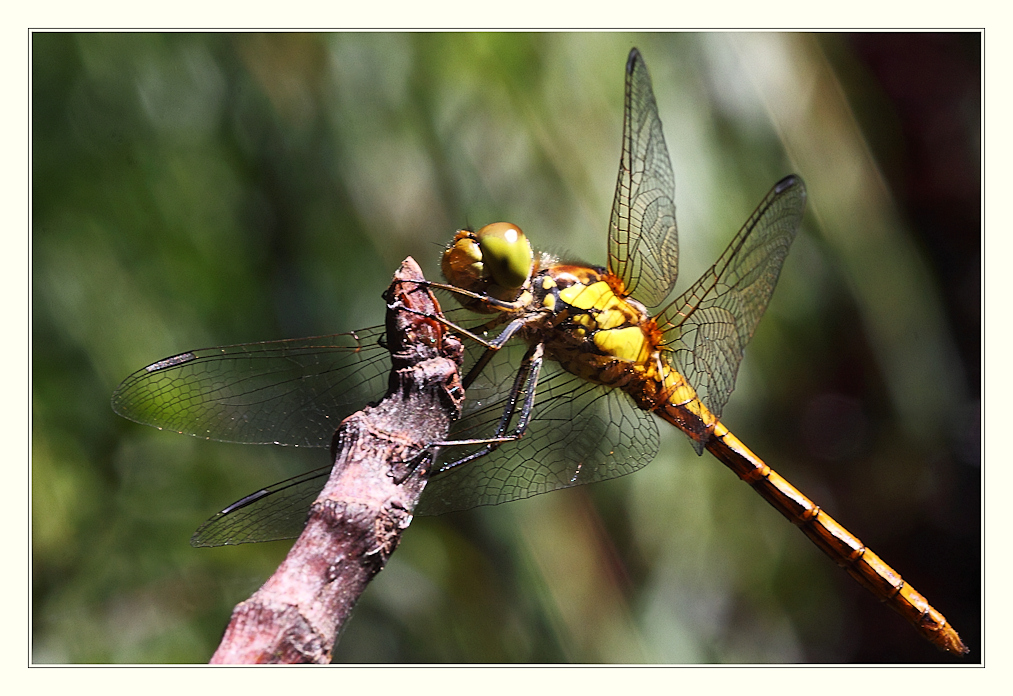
(201, 189)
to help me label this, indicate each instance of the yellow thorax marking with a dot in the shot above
(612, 311)
(626, 344)
(587, 296)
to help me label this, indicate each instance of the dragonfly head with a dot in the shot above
(497, 260)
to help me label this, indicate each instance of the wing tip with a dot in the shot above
(173, 361)
(631, 61)
(790, 181)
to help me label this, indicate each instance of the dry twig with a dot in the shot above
(357, 520)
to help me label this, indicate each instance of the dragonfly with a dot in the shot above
(568, 369)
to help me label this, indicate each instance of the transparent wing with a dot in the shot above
(580, 432)
(643, 242)
(271, 514)
(708, 326)
(291, 392)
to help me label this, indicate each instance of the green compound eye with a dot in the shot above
(506, 253)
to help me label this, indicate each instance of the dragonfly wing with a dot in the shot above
(708, 327)
(272, 513)
(291, 392)
(580, 432)
(643, 242)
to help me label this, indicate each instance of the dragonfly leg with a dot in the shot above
(486, 299)
(525, 382)
(527, 377)
(494, 344)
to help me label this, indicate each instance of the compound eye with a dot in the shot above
(506, 253)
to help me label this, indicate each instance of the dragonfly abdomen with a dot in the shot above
(842, 546)
(668, 394)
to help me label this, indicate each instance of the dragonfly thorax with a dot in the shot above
(589, 329)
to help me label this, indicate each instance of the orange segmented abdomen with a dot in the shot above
(671, 397)
(837, 542)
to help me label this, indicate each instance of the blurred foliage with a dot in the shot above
(201, 189)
